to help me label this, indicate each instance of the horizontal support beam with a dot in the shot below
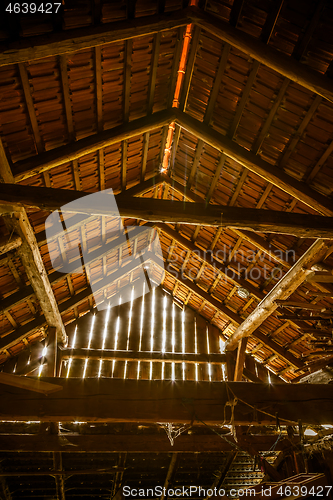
(45, 161)
(155, 210)
(131, 443)
(282, 290)
(69, 41)
(115, 400)
(167, 357)
(271, 173)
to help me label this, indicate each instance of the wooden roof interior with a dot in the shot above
(226, 103)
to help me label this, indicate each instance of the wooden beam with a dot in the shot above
(70, 152)
(170, 473)
(110, 355)
(132, 443)
(9, 243)
(240, 361)
(156, 210)
(29, 384)
(232, 316)
(160, 401)
(282, 290)
(279, 62)
(70, 41)
(67, 98)
(297, 189)
(31, 258)
(30, 107)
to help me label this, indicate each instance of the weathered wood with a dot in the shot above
(155, 210)
(300, 305)
(281, 63)
(163, 401)
(118, 443)
(70, 152)
(167, 357)
(240, 361)
(9, 243)
(282, 290)
(31, 257)
(234, 317)
(297, 189)
(69, 41)
(29, 384)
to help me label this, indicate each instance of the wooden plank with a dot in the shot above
(70, 152)
(29, 384)
(157, 210)
(282, 290)
(9, 243)
(122, 354)
(70, 41)
(149, 401)
(217, 84)
(270, 173)
(127, 78)
(272, 58)
(153, 71)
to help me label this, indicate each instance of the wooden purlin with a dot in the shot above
(157, 210)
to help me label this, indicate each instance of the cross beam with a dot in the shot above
(116, 400)
(156, 210)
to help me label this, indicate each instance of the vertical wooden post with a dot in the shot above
(51, 366)
(240, 361)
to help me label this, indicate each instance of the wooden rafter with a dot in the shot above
(249, 160)
(282, 290)
(77, 39)
(58, 156)
(281, 63)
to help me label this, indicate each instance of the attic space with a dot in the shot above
(166, 249)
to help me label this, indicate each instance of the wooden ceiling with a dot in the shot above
(226, 103)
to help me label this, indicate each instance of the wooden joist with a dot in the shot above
(161, 401)
(156, 210)
(295, 188)
(73, 151)
(282, 290)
